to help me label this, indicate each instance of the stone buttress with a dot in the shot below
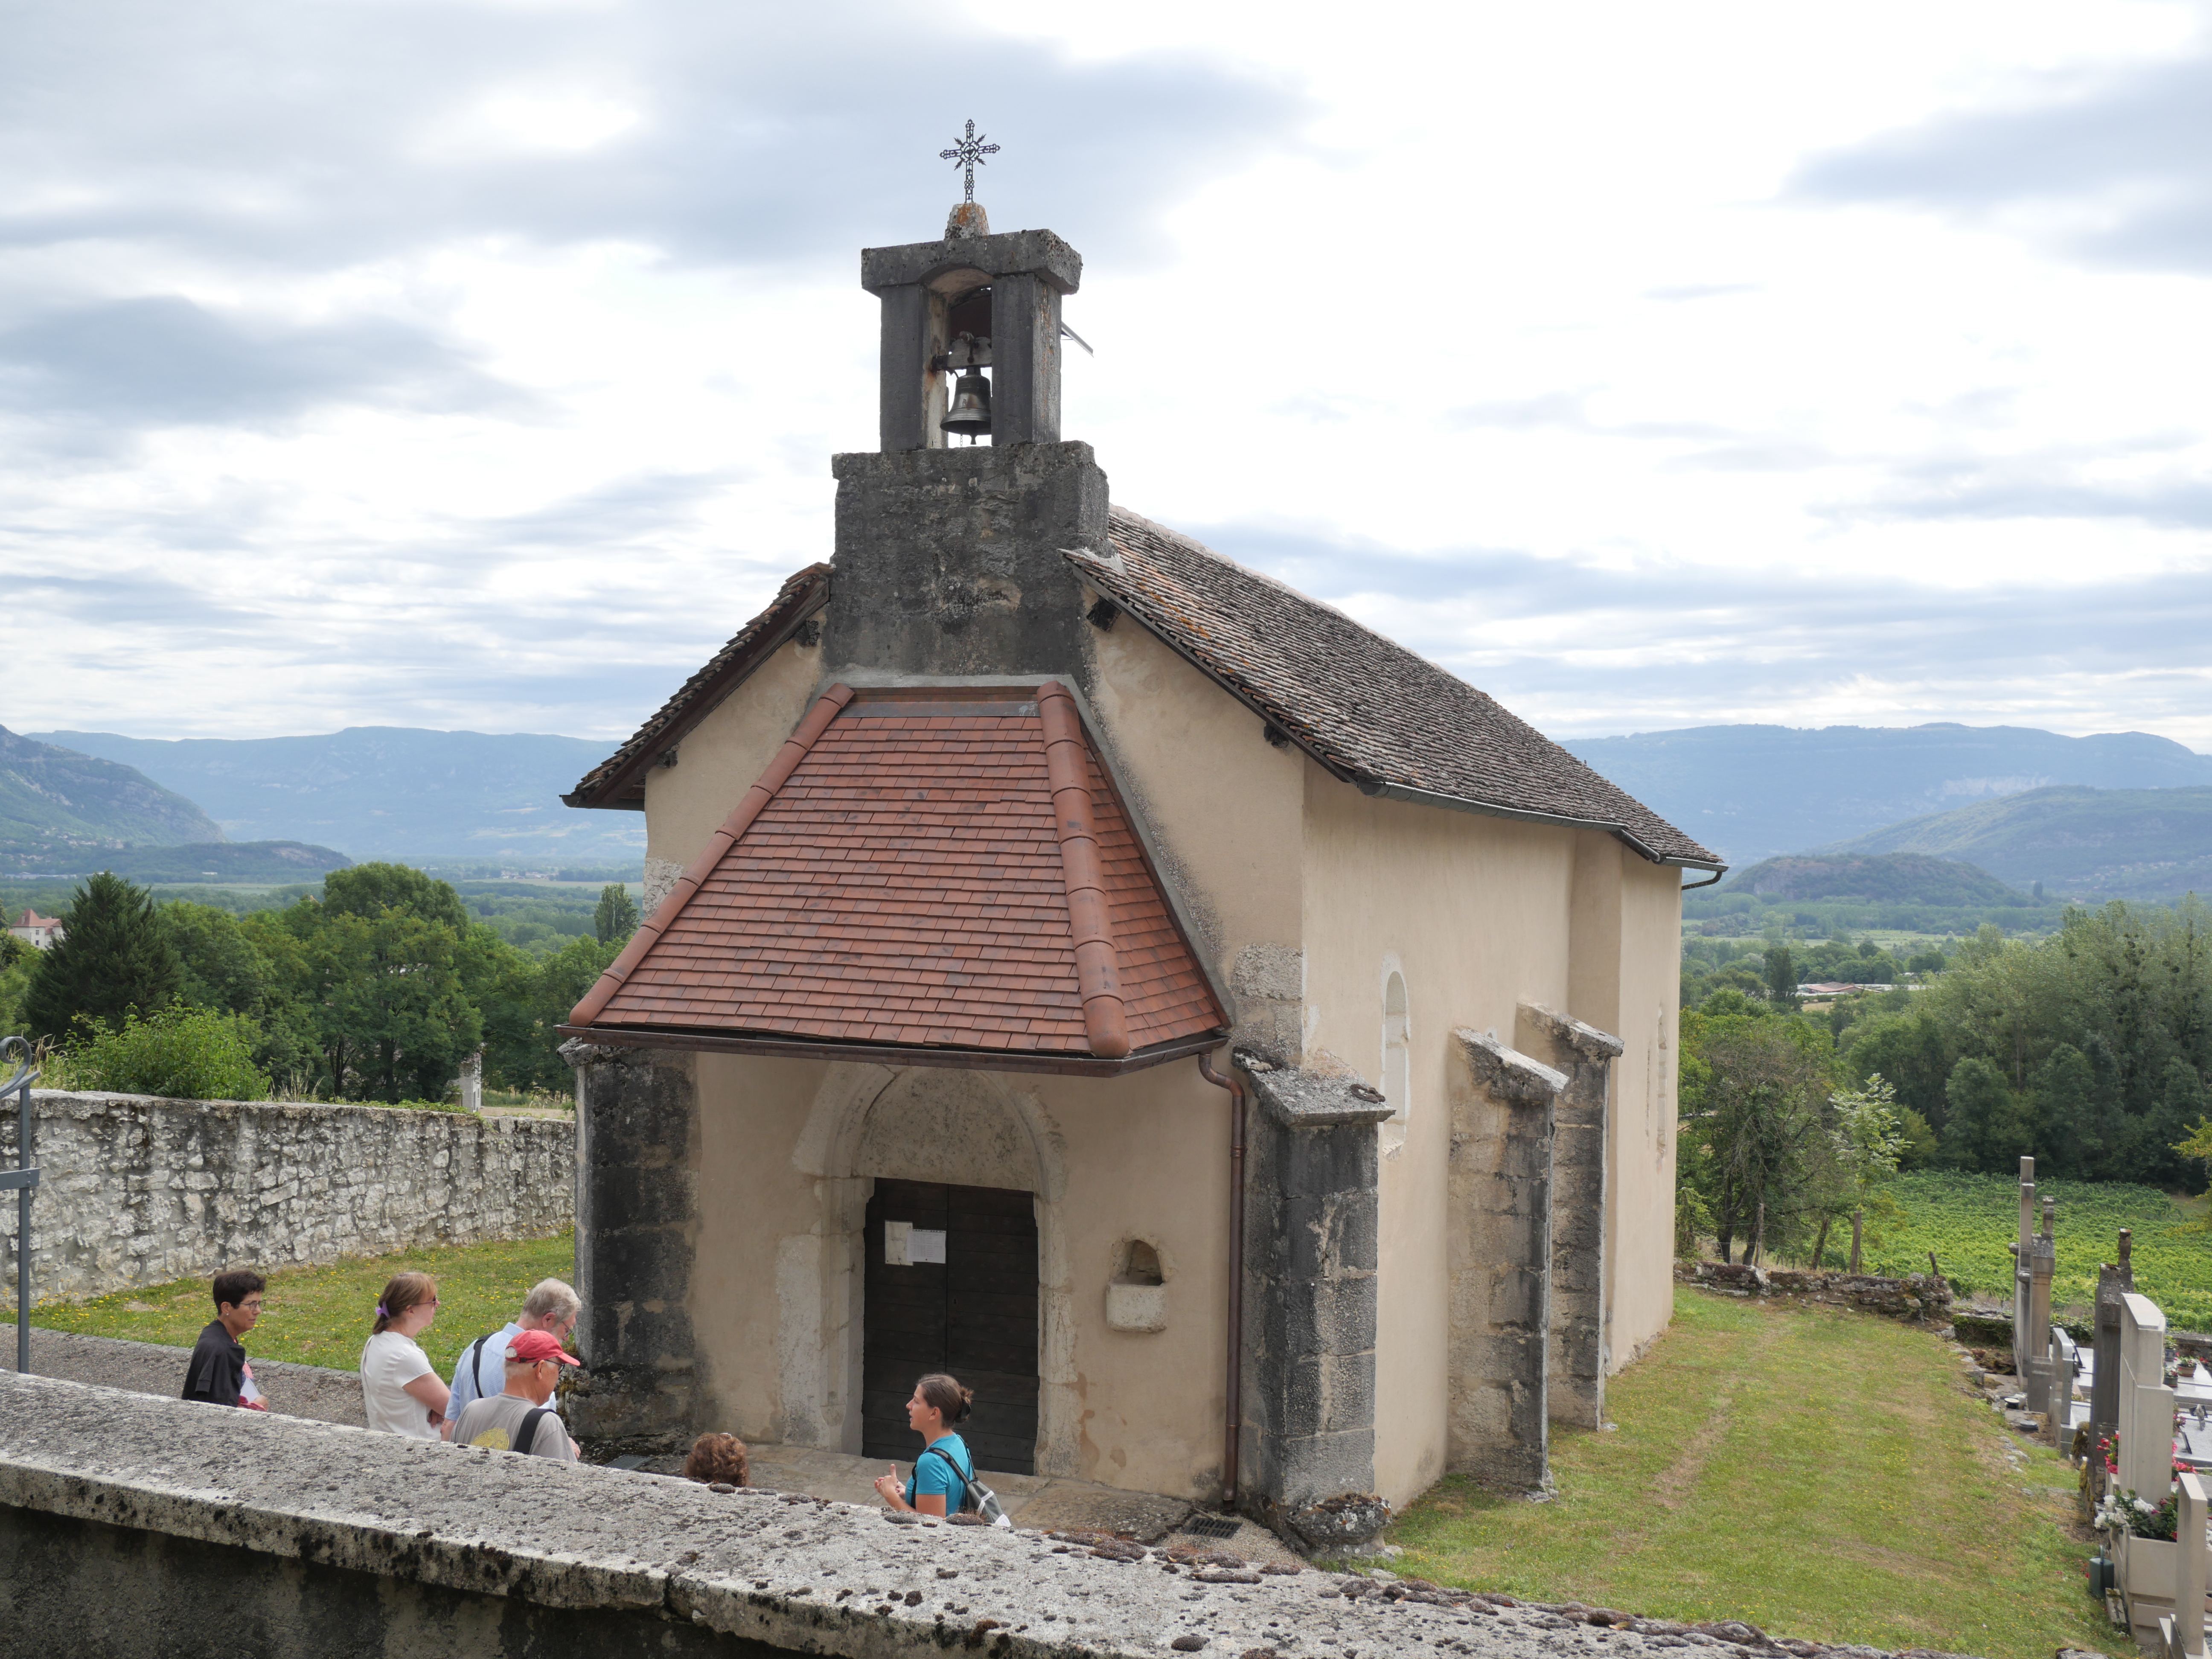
(1579, 1355)
(1502, 1117)
(636, 1224)
(1311, 1232)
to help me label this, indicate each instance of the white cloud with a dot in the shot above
(428, 362)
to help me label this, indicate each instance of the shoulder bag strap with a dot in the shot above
(526, 1435)
(476, 1362)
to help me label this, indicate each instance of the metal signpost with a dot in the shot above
(23, 1178)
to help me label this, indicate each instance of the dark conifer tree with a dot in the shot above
(114, 954)
(616, 918)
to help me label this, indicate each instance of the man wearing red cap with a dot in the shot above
(518, 1420)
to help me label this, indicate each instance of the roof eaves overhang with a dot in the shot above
(894, 1055)
(1383, 791)
(610, 792)
(1088, 565)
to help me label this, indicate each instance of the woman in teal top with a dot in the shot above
(946, 1466)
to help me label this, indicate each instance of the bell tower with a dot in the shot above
(970, 302)
(951, 535)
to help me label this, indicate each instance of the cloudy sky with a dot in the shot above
(476, 363)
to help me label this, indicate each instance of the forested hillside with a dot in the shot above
(1751, 792)
(57, 806)
(1885, 878)
(2079, 843)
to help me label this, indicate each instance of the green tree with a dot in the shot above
(114, 955)
(177, 1052)
(391, 1013)
(1911, 1049)
(1868, 1134)
(1987, 1127)
(1922, 1150)
(616, 918)
(1781, 977)
(528, 1052)
(227, 965)
(1753, 1089)
(369, 890)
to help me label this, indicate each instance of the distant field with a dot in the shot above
(1969, 1220)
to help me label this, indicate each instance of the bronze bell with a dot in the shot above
(971, 406)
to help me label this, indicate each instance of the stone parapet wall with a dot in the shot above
(137, 1190)
(1916, 1299)
(134, 1525)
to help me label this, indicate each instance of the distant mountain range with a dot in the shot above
(2122, 815)
(2080, 843)
(52, 800)
(390, 790)
(1754, 791)
(65, 813)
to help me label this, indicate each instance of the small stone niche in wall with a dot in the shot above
(1137, 1295)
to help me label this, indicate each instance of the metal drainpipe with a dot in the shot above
(1232, 1429)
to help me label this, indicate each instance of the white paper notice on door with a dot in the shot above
(925, 1244)
(897, 1240)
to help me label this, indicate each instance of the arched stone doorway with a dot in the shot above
(924, 1125)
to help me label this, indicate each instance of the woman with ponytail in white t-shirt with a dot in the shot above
(399, 1387)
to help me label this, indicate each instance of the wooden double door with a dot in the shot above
(966, 1303)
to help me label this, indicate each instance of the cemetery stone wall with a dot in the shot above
(1916, 1299)
(137, 1190)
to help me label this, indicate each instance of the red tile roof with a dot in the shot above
(899, 876)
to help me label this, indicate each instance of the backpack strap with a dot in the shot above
(476, 1362)
(966, 1477)
(526, 1435)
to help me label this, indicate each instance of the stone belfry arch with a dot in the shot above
(950, 557)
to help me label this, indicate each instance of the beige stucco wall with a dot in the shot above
(718, 760)
(1303, 895)
(1225, 806)
(1641, 1229)
(789, 1153)
(1472, 911)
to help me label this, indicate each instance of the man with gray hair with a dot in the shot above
(480, 1373)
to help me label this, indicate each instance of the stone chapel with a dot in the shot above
(1238, 1049)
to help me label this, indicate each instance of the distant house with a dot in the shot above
(36, 930)
(1826, 988)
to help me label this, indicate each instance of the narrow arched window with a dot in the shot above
(1397, 1058)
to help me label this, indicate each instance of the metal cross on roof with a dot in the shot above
(968, 153)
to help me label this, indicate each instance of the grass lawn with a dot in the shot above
(322, 1315)
(1819, 1473)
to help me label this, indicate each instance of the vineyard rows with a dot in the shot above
(1968, 1220)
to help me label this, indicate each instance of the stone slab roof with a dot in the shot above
(1370, 711)
(619, 781)
(898, 878)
